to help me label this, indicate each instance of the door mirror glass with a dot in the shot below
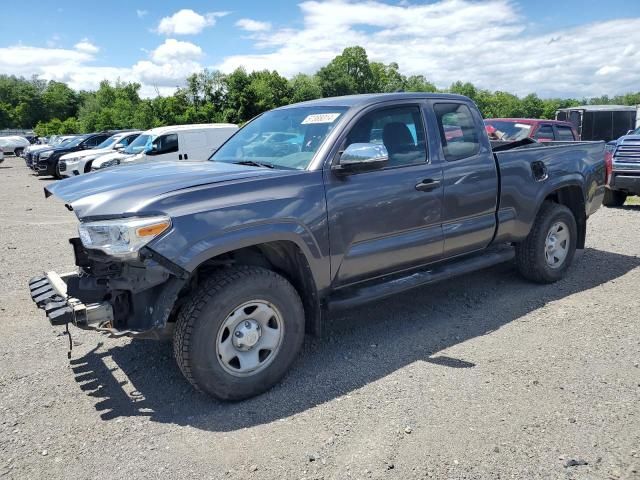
(359, 157)
(119, 146)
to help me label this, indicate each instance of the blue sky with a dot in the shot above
(516, 45)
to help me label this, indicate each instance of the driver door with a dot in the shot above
(388, 219)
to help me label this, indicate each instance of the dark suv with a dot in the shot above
(46, 161)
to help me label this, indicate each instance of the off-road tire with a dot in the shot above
(614, 198)
(202, 315)
(530, 253)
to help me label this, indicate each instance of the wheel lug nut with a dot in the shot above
(247, 324)
(239, 334)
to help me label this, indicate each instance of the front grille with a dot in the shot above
(628, 151)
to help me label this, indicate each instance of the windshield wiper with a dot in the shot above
(253, 163)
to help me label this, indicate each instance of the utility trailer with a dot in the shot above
(601, 122)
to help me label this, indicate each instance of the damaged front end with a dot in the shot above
(131, 296)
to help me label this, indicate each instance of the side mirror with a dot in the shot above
(362, 157)
(153, 149)
(119, 146)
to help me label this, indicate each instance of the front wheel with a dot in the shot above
(239, 332)
(614, 198)
(546, 254)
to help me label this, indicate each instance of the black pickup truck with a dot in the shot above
(310, 208)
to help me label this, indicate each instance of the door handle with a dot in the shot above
(427, 185)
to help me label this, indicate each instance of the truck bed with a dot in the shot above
(555, 164)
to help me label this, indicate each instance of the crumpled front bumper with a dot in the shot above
(49, 292)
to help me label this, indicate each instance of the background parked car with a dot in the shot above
(46, 161)
(514, 129)
(177, 142)
(13, 144)
(77, 163)
(57, 140)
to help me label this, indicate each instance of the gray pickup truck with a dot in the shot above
(307, 209)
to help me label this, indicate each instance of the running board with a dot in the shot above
(393, 284)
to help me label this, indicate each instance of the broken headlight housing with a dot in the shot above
(123, 237)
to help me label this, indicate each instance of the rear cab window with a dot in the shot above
(458, 131)
(564, 133)
(544, 133)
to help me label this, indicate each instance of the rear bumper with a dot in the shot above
(628, 182)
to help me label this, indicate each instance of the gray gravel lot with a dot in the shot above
(485, 376)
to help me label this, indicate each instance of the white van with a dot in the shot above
(178, 142)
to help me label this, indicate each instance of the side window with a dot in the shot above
(458, 131)
(92, 142)
(545, 132)
(399, 129)
(95, 141)
(166, 143)
(564, 133)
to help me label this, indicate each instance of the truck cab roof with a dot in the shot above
(364, 100)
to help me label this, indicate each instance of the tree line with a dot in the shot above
(51, 107)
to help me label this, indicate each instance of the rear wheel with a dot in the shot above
(614, 198)
(239, 332)
(18, 151)
(546, 254)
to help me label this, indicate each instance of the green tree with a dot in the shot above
(348, 73)
(304, 87)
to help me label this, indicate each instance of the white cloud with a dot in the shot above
(608, 70)
(172, 50)
(253, 25)
(167, 66)
(187, 22)
(486, 43)
(141, 13)
(86, 46)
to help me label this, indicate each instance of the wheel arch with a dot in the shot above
(285, 257)
(572, 197)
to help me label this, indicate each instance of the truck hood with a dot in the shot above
(124, 190)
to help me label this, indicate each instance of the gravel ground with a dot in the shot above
(485, 376)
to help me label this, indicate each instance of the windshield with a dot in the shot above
(139, 144)
(108, 142)
(507, 131)
(287, 138)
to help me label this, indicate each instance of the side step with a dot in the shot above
(393, 284)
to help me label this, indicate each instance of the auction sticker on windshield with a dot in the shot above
(320, 118)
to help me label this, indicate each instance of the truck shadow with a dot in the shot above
(358, 347)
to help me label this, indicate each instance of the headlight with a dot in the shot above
(45, 154)
(122, 237)
(69, 161)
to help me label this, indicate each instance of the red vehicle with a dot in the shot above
(513, 129)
